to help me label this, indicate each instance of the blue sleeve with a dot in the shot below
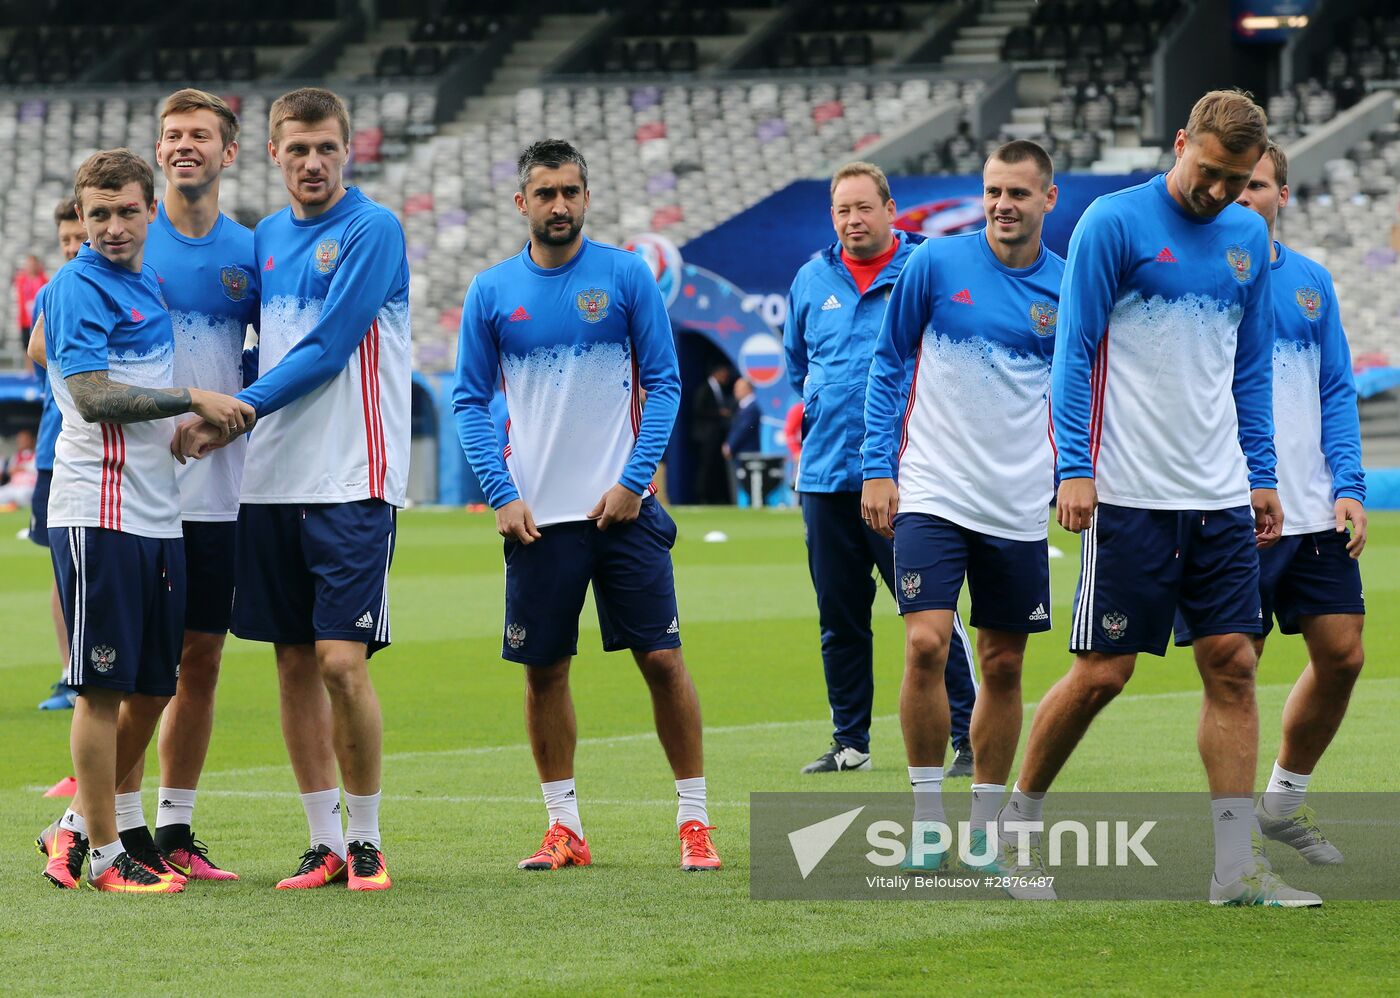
(371, 264)
(1088, 292)
(77, 325)
(1254, 378)
(1341, 424)
(795, 340)
(909, 310)
(654, 348)
(478, 373)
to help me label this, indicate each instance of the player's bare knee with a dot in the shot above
(1343, 667)
(1229, 675)
(1101, 679)
(544, 679)
(927, 646)
(344, 675)
(661, 666)
(1001, 669)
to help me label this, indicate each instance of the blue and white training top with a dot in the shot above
(334, 358)
(1162, 384)
(972, 443)
(573, 347)
(211, 287)
(101, 317)
(1316, 428)
(50, 419)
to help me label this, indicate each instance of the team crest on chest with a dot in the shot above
(910, 583)
(1310, 301)
(1043, 316)
(235, 282)
(1240, 266)
(326, 255)
(592, 304)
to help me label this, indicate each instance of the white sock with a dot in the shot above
(692, 801)
(74, 822)
(986, 802)
(1284, 794)
(323, 817)
(1232, 818)
(1021, 807)
(129, 812)
(927, 782)
(176, 807)
(100, 859)
(561, 799)
(362, 818)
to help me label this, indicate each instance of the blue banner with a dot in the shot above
(761, 249)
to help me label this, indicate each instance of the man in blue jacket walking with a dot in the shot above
(834, 311)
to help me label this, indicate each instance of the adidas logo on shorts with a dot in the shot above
(1039, 612)
(675, 627)
(831, 304)
(365, 621)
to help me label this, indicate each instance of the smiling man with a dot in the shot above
(1163, 421)
(204, 262)
(324, 476)
(965, 489)
(1311, 579)
(835, 307)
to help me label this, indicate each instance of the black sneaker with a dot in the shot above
(142, 848)
(839, 759)
(962, 762)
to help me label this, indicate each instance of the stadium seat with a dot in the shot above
(646, 56)
(820, 52)
(1019, 45)
(392, 61)
(425, 61)
(856, 50)
(1054, 43)
(682, 56)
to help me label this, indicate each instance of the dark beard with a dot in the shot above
(542, 234)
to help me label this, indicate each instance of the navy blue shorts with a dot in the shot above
(315, 572)
(1304, 575)
(39, 509)
(123, 602)
(1140, 567)
(1009, 581)
(629, 565)
(210, 549)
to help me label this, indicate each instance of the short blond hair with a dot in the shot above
(190, 99)
(863, 169)
(1231, 116)
(1279, 158)
(307, 105)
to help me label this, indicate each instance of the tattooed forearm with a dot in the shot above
(101, 400)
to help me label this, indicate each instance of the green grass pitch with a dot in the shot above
(462, 805)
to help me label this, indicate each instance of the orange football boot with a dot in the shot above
(697, 851)
(367, 869)
(65, 852)
(561, 847)
(319, 867)
(127, 876)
